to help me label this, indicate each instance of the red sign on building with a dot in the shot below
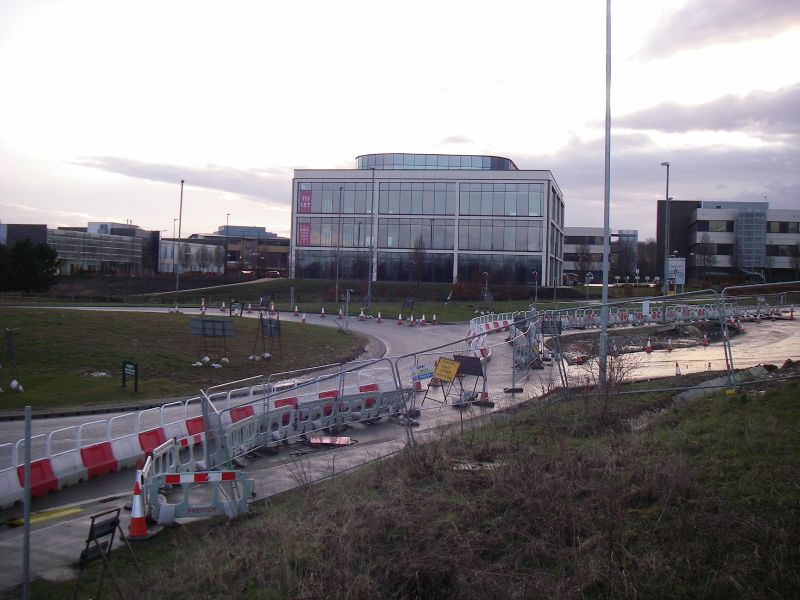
(305, 201)
(304, 234)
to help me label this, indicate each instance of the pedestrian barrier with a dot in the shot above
(99, 460)
(167, 473)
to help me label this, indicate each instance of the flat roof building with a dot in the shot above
(427, 217)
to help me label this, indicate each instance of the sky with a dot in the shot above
(106, 105)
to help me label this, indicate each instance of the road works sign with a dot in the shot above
(446, 370)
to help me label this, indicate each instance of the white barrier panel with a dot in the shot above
(127, 450)
(68, 468)
(10, 489)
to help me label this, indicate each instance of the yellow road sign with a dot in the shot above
(446, 369)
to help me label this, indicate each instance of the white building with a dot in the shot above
(583, 253)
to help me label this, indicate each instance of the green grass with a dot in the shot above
(58, 350)
(569, 503)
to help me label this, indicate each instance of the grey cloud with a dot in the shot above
(759, 112)
(456, 139)
(699, 23)
(638, 180)
(263, 184)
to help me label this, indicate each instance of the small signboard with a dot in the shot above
(677, 270)
(130, 369)
(470, 365)
(271, 328)
(446, 370)
(207, 327)
(421, 372)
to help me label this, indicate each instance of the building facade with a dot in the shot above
(79, 250)
(740, 239)
(583, 253)
(427, 217)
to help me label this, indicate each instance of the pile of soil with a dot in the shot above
(578, 347)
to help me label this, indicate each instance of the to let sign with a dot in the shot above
(304, 204)
(130, 369)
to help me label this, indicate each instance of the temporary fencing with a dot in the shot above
(171, 488)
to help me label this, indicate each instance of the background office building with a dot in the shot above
(583, 253)
(442, 218)
(732, 239)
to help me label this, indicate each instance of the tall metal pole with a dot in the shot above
(664, 284)
(606, 206)
(338, 242)
(26, 510)
(371, 239)
(178, 267)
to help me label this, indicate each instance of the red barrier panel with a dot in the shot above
(151, 439)
(43, 480)
(329, 394)
(241, 412)
(195, 425)
(98, 459)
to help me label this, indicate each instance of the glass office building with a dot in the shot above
(442, 218)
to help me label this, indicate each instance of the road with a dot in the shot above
(58, 541)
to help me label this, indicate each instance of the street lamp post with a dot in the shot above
(535, 287)
(338, 242)
(665, 285)
(486, 286)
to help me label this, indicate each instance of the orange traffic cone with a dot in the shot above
(303, 320)
(705, 340)
(362, 316)
(137, 529)
(380, 320)
(322, 312)
(399, 318)
(249, 308)
(411, 321)
(433, 322)
(296, 312)
(222, 306)
(649, 347)
(669, 345)
(339, 316)
(422, 320)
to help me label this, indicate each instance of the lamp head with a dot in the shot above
(665, 164)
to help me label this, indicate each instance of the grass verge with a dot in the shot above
(552, 501)
(71, 358)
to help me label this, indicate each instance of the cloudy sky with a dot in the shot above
(106, 105)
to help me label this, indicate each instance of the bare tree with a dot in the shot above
(219, 259)
(417, 257)
(184, 257)
(204, 258)
(704, 256)
(583, 260)
(646, 257)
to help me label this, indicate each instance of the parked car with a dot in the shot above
(273, 275)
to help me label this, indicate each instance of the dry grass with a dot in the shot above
(550, 507)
